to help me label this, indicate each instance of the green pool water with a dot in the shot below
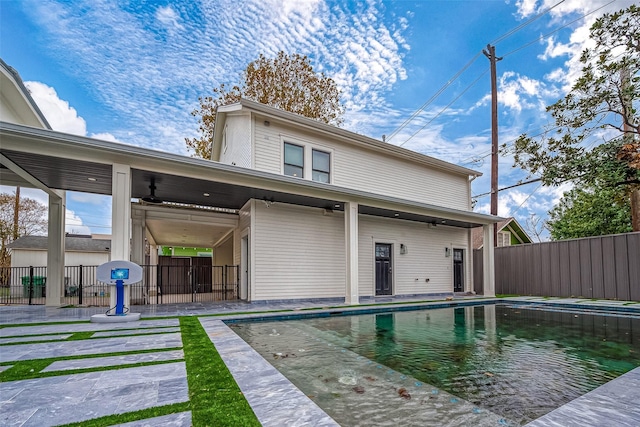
(478, 365)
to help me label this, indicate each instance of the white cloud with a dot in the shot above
(526, 7)
(145, 77)
(554, 50)
(91, 199)
(60, 115)
(104, 136)
(74, 224)
(169, 18)
(518, 92)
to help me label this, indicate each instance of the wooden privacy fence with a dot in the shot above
(603, 267)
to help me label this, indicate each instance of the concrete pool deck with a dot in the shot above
(76, 397)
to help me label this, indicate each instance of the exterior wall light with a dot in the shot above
(447, 252)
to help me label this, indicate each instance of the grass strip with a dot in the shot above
(87, 335)
(7, 376)
(76, 336)
(19, 325)
(29, 370)
(156, 411)
(215, 397)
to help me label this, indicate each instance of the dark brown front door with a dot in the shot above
(458, 270)
(383, 269)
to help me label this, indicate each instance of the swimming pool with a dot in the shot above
(477, 365)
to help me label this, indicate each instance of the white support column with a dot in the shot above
(120, 220)
(488, 263)
(138, 234)
(351, 252)
(55, 248)
(469, 285)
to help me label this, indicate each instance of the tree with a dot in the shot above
(30, 221)
(535, 227)
(287, 82)
(590, 212)
(603, 100)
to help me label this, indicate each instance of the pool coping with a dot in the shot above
(594, 408)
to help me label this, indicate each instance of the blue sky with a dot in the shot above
(133, 71)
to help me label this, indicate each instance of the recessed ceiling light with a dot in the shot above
(206, 194)
(337, 206)
(396, 215)
(92, 179)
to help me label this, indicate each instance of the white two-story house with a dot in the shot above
(298, 251)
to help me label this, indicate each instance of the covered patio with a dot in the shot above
(56, 162)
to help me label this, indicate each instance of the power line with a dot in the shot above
(433, 97)
(507, 188)
(556, 30)
(525, 200)
(526, 23)
(446, 107)
(464, 68)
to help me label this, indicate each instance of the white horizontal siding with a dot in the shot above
(238, 137)
(268, 146)
(363, 169)
(299, 253)
(425, 257)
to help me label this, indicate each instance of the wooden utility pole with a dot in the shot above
(490, 53)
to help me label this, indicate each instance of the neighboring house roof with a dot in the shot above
(71, 244)
(336, 132)
(18, 90)
(509, 224)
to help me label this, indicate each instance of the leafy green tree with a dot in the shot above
(602, 101)
(590, 212)
(287, 82)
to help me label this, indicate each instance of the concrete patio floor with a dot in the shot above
(66, 398)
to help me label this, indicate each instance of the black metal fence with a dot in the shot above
(161, 284)
(604, 267)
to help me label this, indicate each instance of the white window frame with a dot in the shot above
(308, 148)
(502, 235)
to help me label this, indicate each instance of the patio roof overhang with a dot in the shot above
(68, 162)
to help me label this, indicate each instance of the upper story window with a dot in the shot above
(293, 160)
(504, 238)
(321, 165)
(307, 160)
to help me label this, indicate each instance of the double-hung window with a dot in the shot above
(293, 160)
(321, 166)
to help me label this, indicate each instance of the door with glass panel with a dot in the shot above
(384, 280)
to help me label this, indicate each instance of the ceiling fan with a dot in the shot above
(151, 198)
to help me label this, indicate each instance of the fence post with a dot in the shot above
(30, 283)
(234, 282)
(159, 284)
(224, 282)
(192, 279)
(80, 279)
